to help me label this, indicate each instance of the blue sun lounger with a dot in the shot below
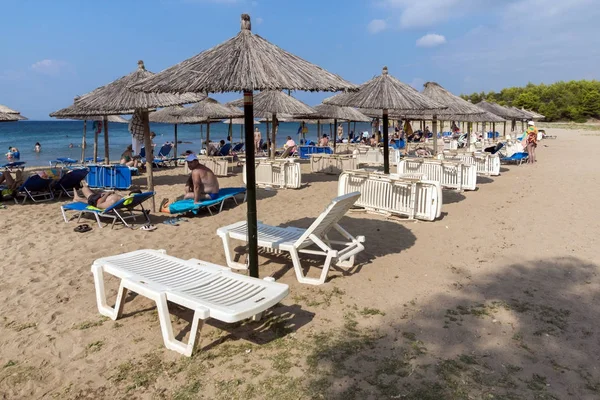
(70, 181)
(188, 205)
(14, 165)
(66, 161)
(36, 188)
(122, 210)
(516, 158)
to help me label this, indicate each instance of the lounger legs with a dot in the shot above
(103, 307)
(300, 274)
(228, 254)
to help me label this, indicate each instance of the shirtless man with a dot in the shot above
(201, 185)
(101, 200)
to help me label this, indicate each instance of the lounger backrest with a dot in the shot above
(73, 178)
(224, 151)
(138, 198)
(328, 218)
(238, 147)
(36, 183)
(165, 150)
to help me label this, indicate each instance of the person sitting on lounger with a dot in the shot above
(100, 199)
(128, 159)
(202, 184)
(11, 183)
(324, 141)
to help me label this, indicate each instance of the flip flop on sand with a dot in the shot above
(2, 206)
(82, 228)
(171, 221)
(148, 228)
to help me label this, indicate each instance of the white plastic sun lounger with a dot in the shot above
(450, 174)
(210, 290)
(394, 195)
(313, 240)
(283, 173)
(332, 163)
(487, 164)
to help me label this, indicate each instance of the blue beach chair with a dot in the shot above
(516, 158)
(14, 165)
(70, 181)
(237, 148)
(36, 188)
(188, 205)
(122, 210)
(66, 161)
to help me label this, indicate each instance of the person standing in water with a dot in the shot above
(38, 147)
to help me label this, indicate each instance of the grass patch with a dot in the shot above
(9, 363)
(95, 346)
(370, 311)
(89, 324)
(20, 327)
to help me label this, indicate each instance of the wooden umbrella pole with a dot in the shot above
(318, 130)
(230, 134)
(201, 138)
(334, 134)
(83, 141)
(95, 160)
(274, 136)
(386, 144)
(435, 135)
(251, 186)
(149, 156)
(106, 153)
(353, 130)
(348, 133)
(175, 142)
(207, 135)
(504, 132)
(242, 133)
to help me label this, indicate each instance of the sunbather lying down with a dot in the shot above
(101, 199)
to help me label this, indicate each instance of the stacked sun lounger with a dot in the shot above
(487, 164)
(218, 165)
(393, 195)
(209, 290)
(282, 173)
(449, 173)
(332, 163)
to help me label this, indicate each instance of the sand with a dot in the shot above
(497, 298)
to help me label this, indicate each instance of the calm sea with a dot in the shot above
(56, 136)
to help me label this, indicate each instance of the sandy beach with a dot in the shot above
(496, 300)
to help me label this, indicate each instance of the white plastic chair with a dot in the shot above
(313, 240)
(210, 290)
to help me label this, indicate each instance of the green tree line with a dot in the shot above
(561, 101)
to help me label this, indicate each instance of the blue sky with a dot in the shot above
(55, 50)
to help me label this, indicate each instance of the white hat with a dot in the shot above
(191, 158)
(530, 123)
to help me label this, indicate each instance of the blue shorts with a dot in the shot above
(213, 196)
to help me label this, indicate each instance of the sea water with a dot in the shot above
(64, 138)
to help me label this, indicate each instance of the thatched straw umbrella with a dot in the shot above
(210, 110)
(329, 111)
(269, 103)
(4, 117)
(240, 122)
(503, 112)
(117, 98)
(74, 112)
(12, 113)
(384, 92)
(455, 106)
(172, 115)
(247, 63)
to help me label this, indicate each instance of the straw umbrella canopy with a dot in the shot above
(273, 102)
(384, 92)
(117, 98)
(210, 110)
(4, 117)
(172, 115)
(503, 112)
(75, 112)
(12, 114)
(247, 63)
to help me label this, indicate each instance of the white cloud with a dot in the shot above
(259, 20)
(376, 26)
(49, 66)
(431, 40)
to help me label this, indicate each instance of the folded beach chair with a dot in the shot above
(122, 210)
(70, 181)
(11, 166)
(66, 161)
(36, 188)
(210, 290)
(313, 240)
(188, 205)
(516, 158)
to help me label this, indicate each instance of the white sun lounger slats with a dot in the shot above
(487, 164)
(313, 240)
(450, 174)
(210, 290)
(218, 165)
(284, 174)
(393, 195)
(332, 163)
